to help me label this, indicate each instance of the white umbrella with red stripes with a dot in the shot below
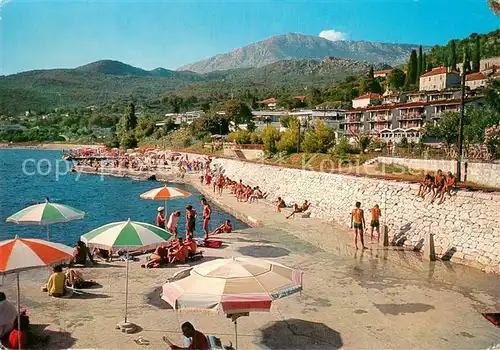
(18, 255)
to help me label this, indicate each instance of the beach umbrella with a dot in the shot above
(17, 255)
(234, 286)
(165, 193)
(126, 235)
(45, 214)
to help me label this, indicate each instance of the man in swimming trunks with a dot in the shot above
(375, 222)
(172, 223)
(439, 181)
(448, 185)
(226, 227)
(301, 209)
(280, 203)
(358, 222)
(207, 212)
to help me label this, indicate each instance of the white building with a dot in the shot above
(476, 80)
(439, 78)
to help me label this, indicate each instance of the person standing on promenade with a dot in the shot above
(190, 220)
(172, 223)
(207, 213)
(358, 222)
(375, 222)
(160, 218)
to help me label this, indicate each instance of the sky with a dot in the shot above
(38, 34)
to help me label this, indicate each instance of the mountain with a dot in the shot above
(104, 82)
(297, 47)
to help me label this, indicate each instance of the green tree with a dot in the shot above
(314, 97)
(452, 55)
(364, 142)
(466, 64)
(319, 139)
(270, 136)
(175, 103)
(238, 111)
(241, 137)
(420, 62)
(209, 124)
(424, 64)
(370, 73)
(476, 55)
(396, 79)
(128, 140)
(289, 139)
(286, 121)
(145, 127)
(129, 120)
(411, 75)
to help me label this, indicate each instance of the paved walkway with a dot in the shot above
(352, 300)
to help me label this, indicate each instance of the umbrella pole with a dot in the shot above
(18, 312)
(166, 210)
(126, 291)
(235, 334)
(48, 233)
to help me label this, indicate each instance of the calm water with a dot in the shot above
(104, 200)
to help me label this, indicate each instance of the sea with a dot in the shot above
(28, 176)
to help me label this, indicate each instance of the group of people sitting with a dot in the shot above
(175, 251)
(245, 193)
(280, 204)
(438, 184)
(61, 283)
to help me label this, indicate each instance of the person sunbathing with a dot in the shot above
(297, 209)
(158, 258)
(226, 227)
(192, 246)
(178, 254)
(103, 254)
(74, 279)
(280, 203)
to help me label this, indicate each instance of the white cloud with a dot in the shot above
(332, 35)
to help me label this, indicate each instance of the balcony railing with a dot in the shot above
(380, 118)
(411, 116)
(353, 119)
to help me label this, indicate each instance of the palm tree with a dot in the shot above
(495, 6)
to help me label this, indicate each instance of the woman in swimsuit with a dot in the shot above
(190, 220)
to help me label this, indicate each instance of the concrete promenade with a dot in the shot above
(354, 300)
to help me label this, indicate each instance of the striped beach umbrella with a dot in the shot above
(126, 235)
(45, 214)
(234, 286)
(18, 255)
(165, 193)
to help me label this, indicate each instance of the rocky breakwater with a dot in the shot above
(465, 228)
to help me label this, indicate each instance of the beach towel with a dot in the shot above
(493, 318)
(211, 243)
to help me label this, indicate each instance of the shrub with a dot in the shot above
(240, 136)
(344, 147)
(320, 139)
(288, 140)
(364, 142)
(270, 137)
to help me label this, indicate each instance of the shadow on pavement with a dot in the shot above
(43, 338)
(300, 334)
(263, 251)
(153, 298)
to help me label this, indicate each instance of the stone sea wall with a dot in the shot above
(465, 228)
(486, 174)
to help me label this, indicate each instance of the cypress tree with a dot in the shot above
(476, 57)
(424, 63)
(420, 61)
(452, 55)
(411, 74)
(370, 73)
(466, 66)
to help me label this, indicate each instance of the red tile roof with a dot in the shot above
(443, 103)
(383, 71)
(270, 100)
(475, 76)
(371, 96)
(437, 71)
(301, 98)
